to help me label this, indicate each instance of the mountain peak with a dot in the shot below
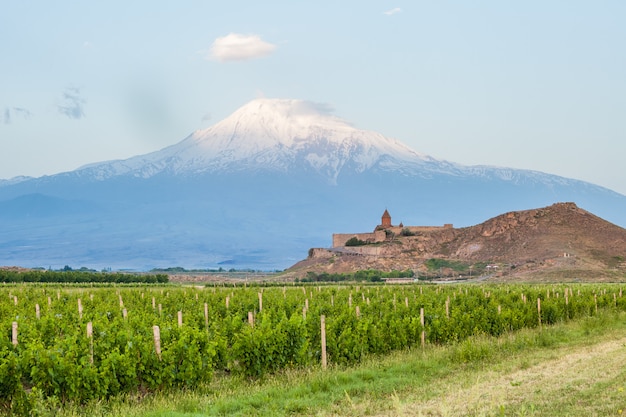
(268, 122)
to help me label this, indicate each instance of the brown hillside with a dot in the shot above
(562, 242)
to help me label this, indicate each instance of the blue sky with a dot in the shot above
(536, 84)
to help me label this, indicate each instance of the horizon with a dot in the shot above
(529, 86)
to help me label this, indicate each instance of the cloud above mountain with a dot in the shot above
(239, 47)
(11, 113)
(73, 103)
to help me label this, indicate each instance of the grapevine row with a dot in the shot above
(78, 344)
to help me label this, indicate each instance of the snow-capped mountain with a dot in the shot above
(272, 135)
(287, 136)
(258, 189)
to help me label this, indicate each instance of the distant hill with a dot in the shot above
(561, 242)
(256, 190)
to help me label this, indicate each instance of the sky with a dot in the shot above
(537, 85)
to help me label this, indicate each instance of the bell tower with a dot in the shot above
(386, 220)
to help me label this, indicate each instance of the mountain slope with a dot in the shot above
(257, 190)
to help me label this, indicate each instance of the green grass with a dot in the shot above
(405, 383)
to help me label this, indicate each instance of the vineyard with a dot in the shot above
(82, 343)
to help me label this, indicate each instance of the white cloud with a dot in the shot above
(393, 11)
(238, 47)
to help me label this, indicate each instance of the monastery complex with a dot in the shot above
(384, 231)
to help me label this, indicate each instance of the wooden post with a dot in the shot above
(332, 300)
(304, 313)
(49, 301)
(250, 318)
(157, 340)
(350, 301)
(90, 337)
(358, 312)
(121, 302)
(260, 301)
(499, 309)
(153, 303)
(206, 316)
(180, 318)
(595, 299)
(124, 313)
(448, 307)
(15, 299)
(14, 333)
(37, 312)
(80, 309)
(566, 299)
(227, 302)
(406, 302)
(160, 309)
(539, 310)
(323, 329)
(306, 303)
(423, 329)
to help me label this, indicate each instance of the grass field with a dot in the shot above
(573, 369)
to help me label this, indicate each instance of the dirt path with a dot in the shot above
(542, 384)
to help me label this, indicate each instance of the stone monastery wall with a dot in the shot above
(340, 239)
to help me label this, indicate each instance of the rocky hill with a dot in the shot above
(559, 242)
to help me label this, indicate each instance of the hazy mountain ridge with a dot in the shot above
(257, 190)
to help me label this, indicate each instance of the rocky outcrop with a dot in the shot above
(561, 235)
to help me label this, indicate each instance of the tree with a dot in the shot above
(355, 241)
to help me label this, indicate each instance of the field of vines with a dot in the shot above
(82, 343)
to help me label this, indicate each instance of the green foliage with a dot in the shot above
(82, 276)
(368, 275)
(433, 264)
(55, 360)
(406, 232)
(355, 241)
